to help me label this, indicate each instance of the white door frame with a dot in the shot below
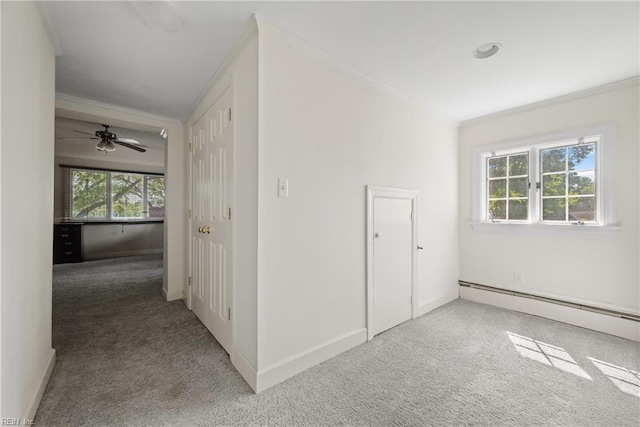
(374, 192)
(225, 82)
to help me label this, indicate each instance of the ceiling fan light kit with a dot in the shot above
(109, 140)
(106, 146)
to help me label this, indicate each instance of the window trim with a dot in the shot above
(109, 219)
(606, 227)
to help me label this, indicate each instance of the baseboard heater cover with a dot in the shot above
(605, 311)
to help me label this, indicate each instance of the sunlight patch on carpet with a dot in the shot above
(625, 379)
(547, 354)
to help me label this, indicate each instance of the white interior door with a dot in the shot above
(392, 262)
(211, 232)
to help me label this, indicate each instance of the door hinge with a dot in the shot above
(190, 281)
(229, 313)
(411, 215)
(229, 214)
(190, 147)
(229, 114)
(189, 213)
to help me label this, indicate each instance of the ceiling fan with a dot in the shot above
(109, 140)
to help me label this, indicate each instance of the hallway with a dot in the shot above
(123, 353)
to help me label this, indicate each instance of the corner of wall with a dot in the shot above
(36, 396)
(300, 362)
(245, 368)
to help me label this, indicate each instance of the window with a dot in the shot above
(560, 179)
(89, 189)
(101, 195)
(507, 182)
(568, 183)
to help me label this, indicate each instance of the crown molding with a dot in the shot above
(73, 103)
(45, 17)
(250, 30)
(272, 30)
(554, 101)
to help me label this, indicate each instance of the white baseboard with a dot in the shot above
(118, 254)
(172, 296)
(245, 368)
(617, 326)
(426, 307)
(288, 368)
(36, 396)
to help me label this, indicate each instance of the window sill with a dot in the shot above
(577, 231)
(98, 222)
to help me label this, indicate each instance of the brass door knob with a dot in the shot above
(199, 229)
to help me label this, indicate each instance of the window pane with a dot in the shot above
(126, 199)
(582, 157)
(497, 209)
(553, 160)
(89, 194)
(582, 183)
(497, 188)
(518, 209)
(553, 209)
(519, 165)
(155, 197)
(497, 167)
(554, 185)
(582, 208)
(518, 187)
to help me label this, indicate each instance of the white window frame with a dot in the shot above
(605, 225)
(109, 196)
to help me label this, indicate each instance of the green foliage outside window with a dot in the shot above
(89, 191)
(568, 183)
(129, 200)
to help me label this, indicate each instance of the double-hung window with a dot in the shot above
(562, 179)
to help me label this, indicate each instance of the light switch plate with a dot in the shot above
(283, 187)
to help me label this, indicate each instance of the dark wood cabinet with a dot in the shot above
(67, 243)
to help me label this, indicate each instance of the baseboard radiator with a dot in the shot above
(605, 311)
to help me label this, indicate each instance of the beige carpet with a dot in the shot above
(126, 357)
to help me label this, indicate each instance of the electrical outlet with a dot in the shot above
(518, 278)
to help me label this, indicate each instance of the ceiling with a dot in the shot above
(421, 49)
(85, 148)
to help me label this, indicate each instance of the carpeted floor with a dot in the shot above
(126, 357)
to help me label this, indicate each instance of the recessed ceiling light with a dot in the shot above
(487, 50)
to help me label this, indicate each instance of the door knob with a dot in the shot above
(420, 248)
(376, 235)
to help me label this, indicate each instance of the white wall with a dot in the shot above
(100, 241)
(331, 133)
(241, 69)
(26, 180)
(600, 272)
(174, 246)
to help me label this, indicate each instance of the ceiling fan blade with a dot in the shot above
(129, 140)
(87, 133)
(77, 137)
(132, 146)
